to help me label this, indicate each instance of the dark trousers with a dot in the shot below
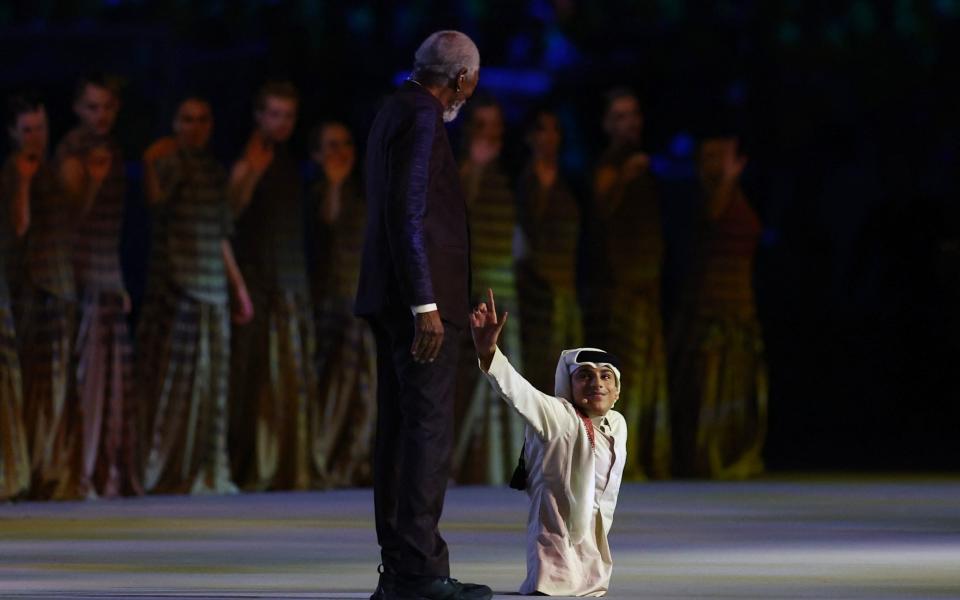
(414, 442)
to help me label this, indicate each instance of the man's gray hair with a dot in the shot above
(444, 54)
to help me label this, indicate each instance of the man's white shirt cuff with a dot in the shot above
(423, 308)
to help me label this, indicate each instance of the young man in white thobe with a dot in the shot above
(575, 449)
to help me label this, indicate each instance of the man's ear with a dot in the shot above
(459, 80)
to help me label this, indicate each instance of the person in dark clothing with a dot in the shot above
(414, 291)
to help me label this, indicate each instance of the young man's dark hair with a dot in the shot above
(617, 93)
(98, 79)
(276, 89)
(21, 103)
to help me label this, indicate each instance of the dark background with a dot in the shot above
(847, 109)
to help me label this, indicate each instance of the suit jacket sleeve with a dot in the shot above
(408, 184)
(546, 414)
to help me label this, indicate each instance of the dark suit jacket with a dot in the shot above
(417, 248)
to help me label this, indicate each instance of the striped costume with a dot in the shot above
(273, 383)
(622, 315)
(190, 339)
(719, 382)
(46, 316)
(109, 447)
(14, 461)
(488, 437)
(548, 226)
(343, 423)
(148, 321)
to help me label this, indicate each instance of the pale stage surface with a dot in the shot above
(800, 537)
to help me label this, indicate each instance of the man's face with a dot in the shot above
(336, 149)
(486, 122)
(594, 389)
(277, 118)
(623, 121)
(30, 132)
(468, 85)
(97, 109)
(545, 139)
(193, 124)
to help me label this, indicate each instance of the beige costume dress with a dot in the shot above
(573, 484)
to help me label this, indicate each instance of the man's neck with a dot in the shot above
(437, 91)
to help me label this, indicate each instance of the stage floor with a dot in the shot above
(809, 537)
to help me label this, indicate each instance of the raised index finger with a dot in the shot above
(493, 305)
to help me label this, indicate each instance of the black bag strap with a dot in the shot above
(519, 479)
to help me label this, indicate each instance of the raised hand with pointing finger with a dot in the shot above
(485, 327)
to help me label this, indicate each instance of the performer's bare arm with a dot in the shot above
(26, 168)
(155, 192)
(247, 171)
(611, 182)
(242, 310)
(82, 176)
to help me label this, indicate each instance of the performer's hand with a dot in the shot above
(427, 337)
(259, 153)
(27, 164)
(485, 327)
(127, 303)
(483, 150)
(546, 174)
(97, 164)
(733, 165)
(337, 169)
(165, 146)
(636, 165)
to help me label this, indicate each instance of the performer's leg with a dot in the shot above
(386, 458)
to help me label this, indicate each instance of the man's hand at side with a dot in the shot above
(427, 336)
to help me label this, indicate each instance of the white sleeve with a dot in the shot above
(546, 414)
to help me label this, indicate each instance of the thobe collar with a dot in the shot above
(602, 423)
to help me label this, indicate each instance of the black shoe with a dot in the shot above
(437, 588)
(475, 591)
(385, 586)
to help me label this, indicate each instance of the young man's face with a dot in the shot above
(486, 122)
(545, 138)
(594, 389)
(336, 148)
(97, 109)
(30, 133)
(624, 121)
(193, 124)
(277, 118)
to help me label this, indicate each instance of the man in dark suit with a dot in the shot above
(414, 290)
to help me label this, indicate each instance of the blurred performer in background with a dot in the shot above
(273, 383)
(342, 425)
(488, 438)
(625, 237)
(92, 174)
(548, 226)
(27, 124)
(719, 379)
(188, 399)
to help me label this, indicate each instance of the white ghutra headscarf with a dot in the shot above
(573, 359)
